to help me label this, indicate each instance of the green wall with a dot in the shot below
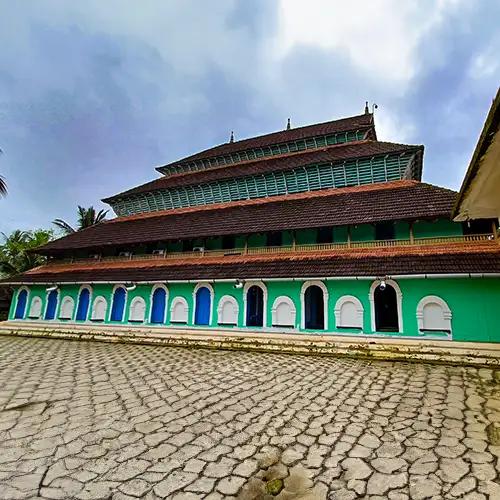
(473, 302)
(363, 232)
(359, 233)
(441, 227)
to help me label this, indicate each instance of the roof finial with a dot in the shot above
(367, 111)
(231, 139)
(288, 125)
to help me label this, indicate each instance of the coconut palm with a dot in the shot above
(16, 254)
(87, 217)
(3, 184)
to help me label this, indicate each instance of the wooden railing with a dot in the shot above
(315, 247)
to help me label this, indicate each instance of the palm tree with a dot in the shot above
(16, 254)
(87, 217)
(3, 184)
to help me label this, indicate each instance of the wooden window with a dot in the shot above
(228, 242)
(324, 235)
(384, 231)
(274, 239)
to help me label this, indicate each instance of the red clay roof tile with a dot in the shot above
(400, 200)
(472, 257)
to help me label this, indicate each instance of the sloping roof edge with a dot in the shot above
(485, 139)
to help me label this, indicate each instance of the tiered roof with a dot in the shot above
(334, 154)
(347, 151)
(398, 200)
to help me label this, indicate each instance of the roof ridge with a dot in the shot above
(240, 141)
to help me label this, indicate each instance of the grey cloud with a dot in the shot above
(94, 95)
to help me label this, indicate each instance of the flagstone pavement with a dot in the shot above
(114, 421)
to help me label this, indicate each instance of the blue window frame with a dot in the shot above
(118, 306)
(203, 306)
(22, 299)
(158, 306)
(50, 312)
(83, 305)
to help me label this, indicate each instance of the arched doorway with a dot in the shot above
(386, 309)
(50, 312)
(118, 307)
(255, 306)
(158, 306)
(83, 305)
(314, 308)
(22, 300)
(203, 306)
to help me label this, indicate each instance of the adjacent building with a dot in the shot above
(317, 229)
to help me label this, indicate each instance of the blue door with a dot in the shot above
(118, 304)
(83, 305)
(158, 306)
(50, 312)
(202, 313)
(22, 298)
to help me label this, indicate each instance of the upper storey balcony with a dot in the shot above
(353, 247)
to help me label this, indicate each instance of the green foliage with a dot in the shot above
(3, 186)
(87, 217)
(16, 254)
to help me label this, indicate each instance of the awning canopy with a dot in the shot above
(479, 196)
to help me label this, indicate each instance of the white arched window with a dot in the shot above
(67, 308)
(227, 311)
(137, 310)
(433, 314)
(349, 312)
(284, 312)
(35, 308)
(99, 308)
(179, 310)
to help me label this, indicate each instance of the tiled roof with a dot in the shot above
(399, 200)
(339, 152)
(470, 258)
(361, 122)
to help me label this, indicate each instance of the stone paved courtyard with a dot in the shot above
(94, 420)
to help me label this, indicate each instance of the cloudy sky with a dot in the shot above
(95, 94)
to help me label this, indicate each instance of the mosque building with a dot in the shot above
(316, 229)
